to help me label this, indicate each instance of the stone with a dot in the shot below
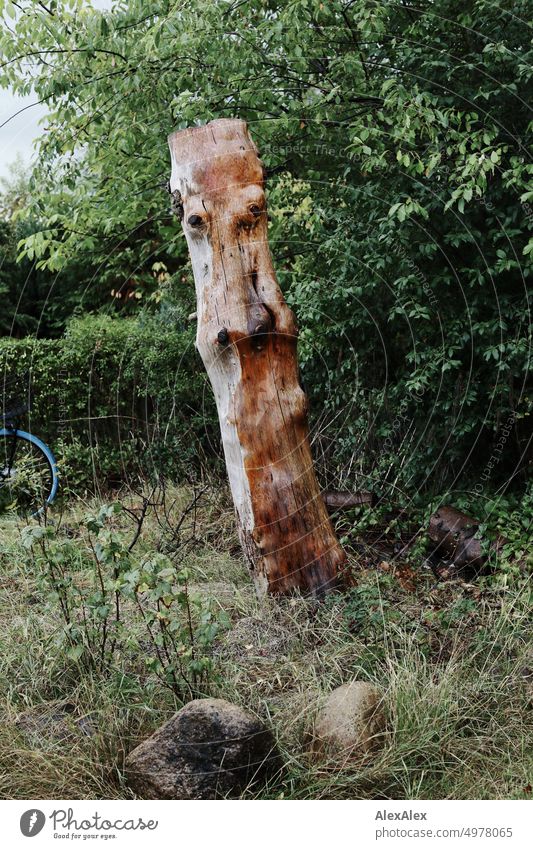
(351, 723)
(209, 749)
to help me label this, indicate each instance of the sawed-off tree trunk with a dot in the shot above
(247, 339)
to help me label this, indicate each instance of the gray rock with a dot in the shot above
(351, 723)
(209, 749)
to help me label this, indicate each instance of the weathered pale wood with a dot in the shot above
(247, 339)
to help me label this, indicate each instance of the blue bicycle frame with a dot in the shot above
(29, 437)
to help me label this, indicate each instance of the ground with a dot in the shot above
(453, 660)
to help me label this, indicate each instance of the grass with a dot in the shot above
(454, 662)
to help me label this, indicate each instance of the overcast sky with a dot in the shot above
(19, 133)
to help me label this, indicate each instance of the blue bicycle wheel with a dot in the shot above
(28, 472)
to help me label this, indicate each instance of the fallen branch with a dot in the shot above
(345, 500)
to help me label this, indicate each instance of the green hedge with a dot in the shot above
(117, 399)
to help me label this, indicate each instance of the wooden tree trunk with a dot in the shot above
(247, 339)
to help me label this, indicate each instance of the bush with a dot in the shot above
(112, 601)
(399, 197)
(117, 399)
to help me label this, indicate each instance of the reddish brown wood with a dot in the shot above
(247, 338)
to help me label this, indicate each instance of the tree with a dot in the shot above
(35, 300)
(14, 189)
(395, 135)
(247, 339)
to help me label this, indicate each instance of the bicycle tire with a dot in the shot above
(49, 458)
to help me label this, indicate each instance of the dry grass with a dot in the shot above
(452, 661)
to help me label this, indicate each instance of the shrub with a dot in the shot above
(117, 399)
(112, 601)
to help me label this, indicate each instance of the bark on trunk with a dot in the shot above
(247, 339)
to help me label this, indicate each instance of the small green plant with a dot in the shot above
(506, 537)
(368, 612)
(365, 610)
(459, 612)
(94, 586)
(181, 627)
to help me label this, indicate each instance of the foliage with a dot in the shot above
(367, 611)
(179, 626)
(23, 290)
(36, 301)
(14, 189)
(117, 399)
(510, 525)
(395, 138)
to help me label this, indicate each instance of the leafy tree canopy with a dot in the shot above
(395, 135)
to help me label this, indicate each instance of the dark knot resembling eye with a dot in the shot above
(195, 220)
(255, 209)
